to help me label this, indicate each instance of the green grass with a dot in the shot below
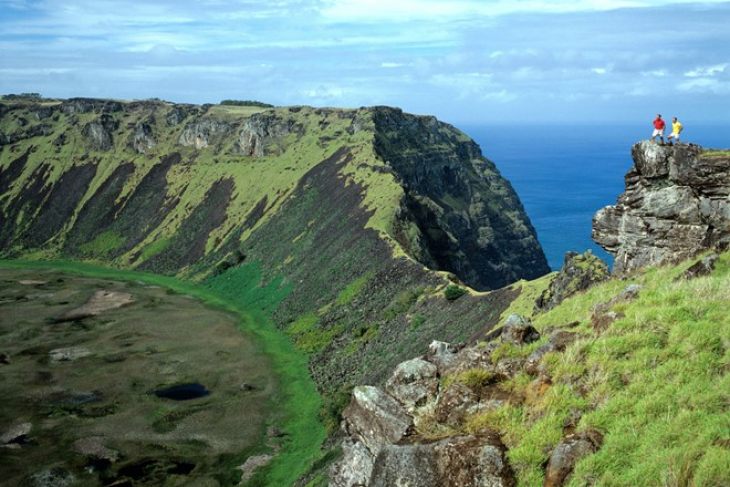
(103, 243)
(655, 384)
(238, 291)
(716, 153)
(351, 291)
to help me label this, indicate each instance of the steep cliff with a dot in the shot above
(330, 221)
(676, 203)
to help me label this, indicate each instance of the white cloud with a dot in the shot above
(435, 10)
(705, 85)
(707, 71)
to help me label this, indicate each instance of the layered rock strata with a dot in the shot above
(676, 204)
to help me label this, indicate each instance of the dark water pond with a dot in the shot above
(183, 392)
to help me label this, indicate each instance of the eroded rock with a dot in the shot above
(579, 272)
(376, 419)
(199, 134)
(414, 383)
(518, 330)
(460, 461)
(143, 139)
(676, 204)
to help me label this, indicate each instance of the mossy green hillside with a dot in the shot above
(654, 384)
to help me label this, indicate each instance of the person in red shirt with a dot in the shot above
(658, 128)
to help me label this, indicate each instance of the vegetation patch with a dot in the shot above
(103, 243)
(454, 292)
(653, 384)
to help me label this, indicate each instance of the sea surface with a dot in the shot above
(565, 173)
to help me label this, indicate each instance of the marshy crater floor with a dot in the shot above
(82, 364)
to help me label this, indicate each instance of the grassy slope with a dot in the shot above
(297, 397)
(272, 176)
(655, 384)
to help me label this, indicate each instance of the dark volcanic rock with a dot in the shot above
(486, 238)
(676, 203)
(579, 272)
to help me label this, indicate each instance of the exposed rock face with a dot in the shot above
(676, 203)
(99, 132)
(487, 245)
(260, 132)
(143, 139)
(199, 134)
(579, 272)
(460, 461)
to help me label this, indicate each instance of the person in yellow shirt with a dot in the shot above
(676, 130)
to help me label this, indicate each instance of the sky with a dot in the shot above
(466, 61)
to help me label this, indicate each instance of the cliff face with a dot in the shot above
(323, 218)
(458, 214)
(676, 203)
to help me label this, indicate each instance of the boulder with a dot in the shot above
(355, 467)
(460, 461)
(455, 403)
(376, 419)
(579, 272)
(442, 354)
(519, 331)
(414, 383)
(567, 453)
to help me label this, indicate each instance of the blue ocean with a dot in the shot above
(565, 173)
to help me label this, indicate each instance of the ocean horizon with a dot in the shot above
(564, 173)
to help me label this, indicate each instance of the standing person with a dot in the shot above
(676, 130)
(658, 128)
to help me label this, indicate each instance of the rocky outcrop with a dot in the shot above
(676, 204)
(260, 133)
(579, 272)
(199, 134)
(381, 449)
(99, 133)
(413, 432)
(143, 139)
